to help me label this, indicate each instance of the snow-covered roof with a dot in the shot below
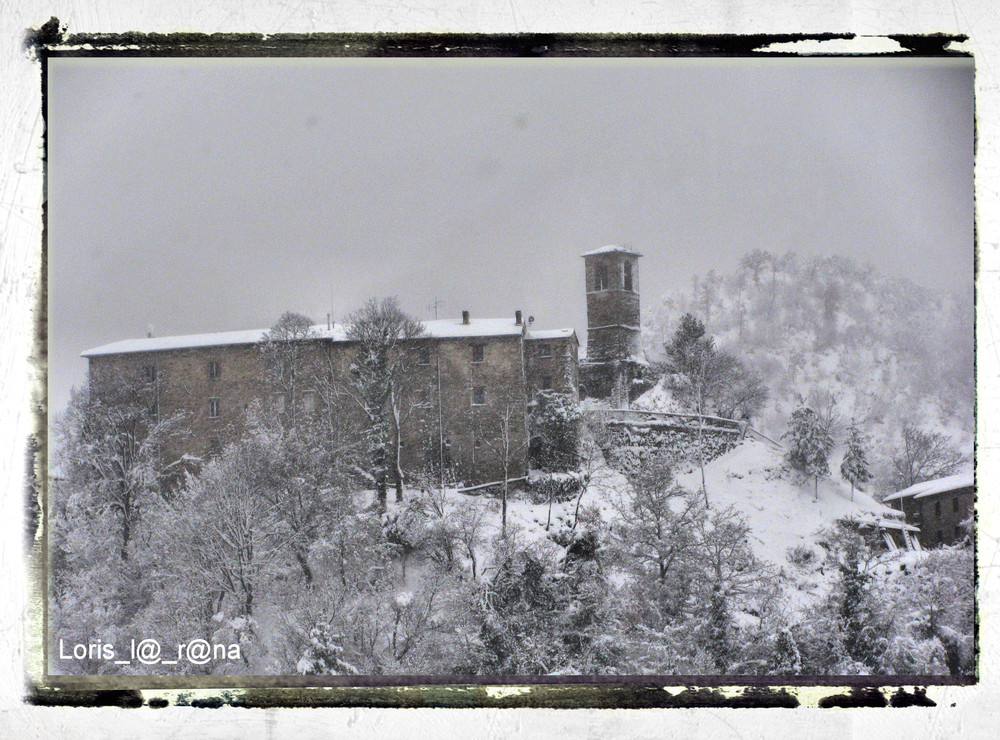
(549, 334)
(930, 487)
(609, 249)
(882, 522)
(436, 329)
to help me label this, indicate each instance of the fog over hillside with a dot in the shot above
(844, 336)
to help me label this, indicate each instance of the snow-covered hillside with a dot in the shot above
(780, 504)
(843, 335)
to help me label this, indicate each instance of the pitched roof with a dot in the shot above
(436, 329)
(609, 249)
(931, 487)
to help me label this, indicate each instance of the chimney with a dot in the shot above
(517, 317)
(465, 317)
(149, 331)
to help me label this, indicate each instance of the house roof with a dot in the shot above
(931, 487)
(550, 334)
(435, 329)
(610, 249)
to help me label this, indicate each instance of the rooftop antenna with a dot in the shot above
(435, 304)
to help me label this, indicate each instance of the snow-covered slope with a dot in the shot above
(777, 502)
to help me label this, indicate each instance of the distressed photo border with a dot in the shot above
(53, 40)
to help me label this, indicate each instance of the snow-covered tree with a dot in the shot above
(934, 609)
(323, 655)
(854, 467)
(305, 475)
(290, 360)
(221, 538)
(378, 382)
(555, 432)
(810, 444)
(111, 445)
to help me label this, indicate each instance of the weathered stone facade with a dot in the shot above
(612, 278)
(614, 367)
(469, 389)
(938, 509)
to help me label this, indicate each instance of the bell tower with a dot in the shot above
(612, 275)
(614, 368)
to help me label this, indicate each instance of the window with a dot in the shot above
(954, 504)
(423, 397)
(627, 275)
(937, 508)
(309, 402)
(424, 356)
(958, 532)
(214, 371)
(547, 383)
(601, 278)
(149, 372)
(940, 535)
(478, 396)
(154, 410)
(477, 353)
(544, 350)
(213, 408)
(214, 447)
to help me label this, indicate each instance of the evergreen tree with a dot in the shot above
(854, 466)
(324, 653)
(811, 443)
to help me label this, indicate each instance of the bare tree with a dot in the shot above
(378, 382)
(924, 456)
(502, 428)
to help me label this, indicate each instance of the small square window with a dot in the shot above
(149, 372)
(213, 408)
(544, 350)
(309, 402)
(214, 371)
(478, 395)
(477, 353)
(424, 356)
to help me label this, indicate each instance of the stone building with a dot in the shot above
(615, 367)
(939, 508)
(469, 377)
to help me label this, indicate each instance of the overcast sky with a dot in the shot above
(203, 195)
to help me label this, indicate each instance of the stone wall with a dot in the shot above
(628, 445)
